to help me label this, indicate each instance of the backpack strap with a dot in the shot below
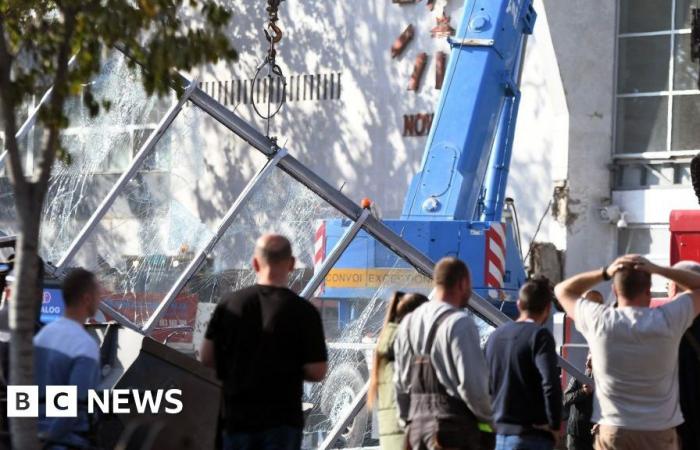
(433, 329)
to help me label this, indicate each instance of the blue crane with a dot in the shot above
(455, 202)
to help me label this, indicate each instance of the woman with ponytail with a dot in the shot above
(382, 394)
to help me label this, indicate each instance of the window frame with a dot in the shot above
(652, 160)
(670, 93)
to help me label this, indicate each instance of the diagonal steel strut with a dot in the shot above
(372, 225)
(334, 255)
(128, 174)
(231, 214)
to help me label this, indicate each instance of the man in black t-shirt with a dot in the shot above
(525, 385)
(264, 342)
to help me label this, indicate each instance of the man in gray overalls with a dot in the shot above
(441, 367)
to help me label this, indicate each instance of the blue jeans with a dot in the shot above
(514, 442)
(279, 438)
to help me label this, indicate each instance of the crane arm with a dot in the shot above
(479, 98)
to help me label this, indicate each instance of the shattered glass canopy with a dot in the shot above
(164, 199)
(100, 147)
(281, 205)
(167, 213)
(353, 302)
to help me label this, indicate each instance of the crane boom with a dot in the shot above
(479, 102)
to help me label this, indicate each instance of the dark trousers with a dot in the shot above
(436, 435)
(516, 442)
(579, 442)
(278, 438)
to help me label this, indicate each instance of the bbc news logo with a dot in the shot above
(62, 401)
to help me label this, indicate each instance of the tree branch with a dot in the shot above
(48, 155)
(15, 172)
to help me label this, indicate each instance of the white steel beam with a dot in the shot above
(334, 255)
(231, 214)
(128, 174)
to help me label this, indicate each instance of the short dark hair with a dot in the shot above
(631, 283)
(449, 272)
(278, 249)
(77, 283)
(535, 295)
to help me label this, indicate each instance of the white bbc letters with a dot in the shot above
(120, 397)
(22, 401)
(61, 401)
(172, 397)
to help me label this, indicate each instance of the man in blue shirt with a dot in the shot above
(525, 386)
(65, 354)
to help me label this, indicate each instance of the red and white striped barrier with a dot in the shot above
(319, 249)
(495, 263)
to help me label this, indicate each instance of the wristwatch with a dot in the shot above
(605, 274)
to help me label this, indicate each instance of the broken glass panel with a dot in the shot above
(352, 301)
(277, 204)
(100, 148)
(164, 216)
(7, 206)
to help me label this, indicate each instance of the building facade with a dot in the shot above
(607, 124)
(608, 119)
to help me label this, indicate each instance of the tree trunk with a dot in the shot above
(23, 306)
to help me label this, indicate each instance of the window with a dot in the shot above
(642, 174)
(658, 101)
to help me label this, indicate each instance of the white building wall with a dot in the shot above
(540, 152)
(583, 35)
(357, 142)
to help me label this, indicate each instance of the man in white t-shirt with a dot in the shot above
(635, 351)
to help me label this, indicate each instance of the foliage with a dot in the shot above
(37, 41)
(160, 35)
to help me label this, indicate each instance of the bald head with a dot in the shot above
(675, 289)
(273, 249)
(273, 260)
(687, 265)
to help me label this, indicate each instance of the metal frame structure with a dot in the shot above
(355, 407)
(128, 174)
(373, 226)
(334, 255)
(277, 158)
(338, 200)
(29, 123)
(224, 225)
(118, 317)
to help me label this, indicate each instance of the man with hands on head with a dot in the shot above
(635, 350)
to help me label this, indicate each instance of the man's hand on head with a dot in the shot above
(641, 263)
(623, 262)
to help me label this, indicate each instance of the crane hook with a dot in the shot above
(276, 35)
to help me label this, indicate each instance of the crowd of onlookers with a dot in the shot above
(450, 394)
(431, 384)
